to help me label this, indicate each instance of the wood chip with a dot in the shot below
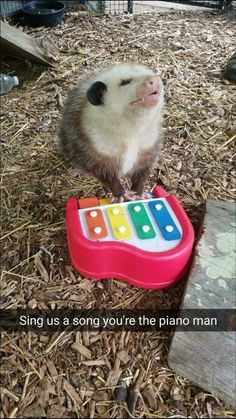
(40, 266)
(82, 350)
(72, 393)
(10, 394)
(92, 409)
(123, 357)
(51, 368)
(12, 414)
(94, 362)
(150, 396)
(113, 377)
(55, 411)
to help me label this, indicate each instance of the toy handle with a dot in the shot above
(158, 192)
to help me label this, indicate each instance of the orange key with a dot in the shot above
(96, 224)
(88, 202)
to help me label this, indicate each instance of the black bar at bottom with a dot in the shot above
(117, 320)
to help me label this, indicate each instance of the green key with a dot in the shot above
(141, 221)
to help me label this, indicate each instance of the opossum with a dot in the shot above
(111, 127)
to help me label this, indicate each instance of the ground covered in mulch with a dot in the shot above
(71, 374)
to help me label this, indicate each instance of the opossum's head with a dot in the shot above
(125, 89)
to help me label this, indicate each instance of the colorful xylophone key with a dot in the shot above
(141, 221)
(164, 220)
(119, 222)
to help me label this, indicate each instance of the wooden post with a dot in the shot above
(208, 359)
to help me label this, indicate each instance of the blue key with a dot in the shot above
(164, 220)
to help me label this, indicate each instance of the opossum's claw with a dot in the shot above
(117, 199)
(130, 196)
(146, 195)
(134, 196)
(74, 172)
(126, 196)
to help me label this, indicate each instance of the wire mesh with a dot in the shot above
(115, 7)
(102, 6)
(10, 8)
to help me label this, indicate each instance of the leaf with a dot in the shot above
(82, 51)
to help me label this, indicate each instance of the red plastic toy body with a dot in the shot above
(114, 258)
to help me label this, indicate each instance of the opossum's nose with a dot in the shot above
(149, 92)
(154, 83)
(152, 80)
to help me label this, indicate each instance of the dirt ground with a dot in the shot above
(75, 374)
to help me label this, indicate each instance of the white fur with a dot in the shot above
(116, 128)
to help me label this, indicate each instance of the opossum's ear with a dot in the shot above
(96, 92)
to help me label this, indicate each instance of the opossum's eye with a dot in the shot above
(96, 92)
(124, 82)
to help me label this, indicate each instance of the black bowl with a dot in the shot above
(43, 13)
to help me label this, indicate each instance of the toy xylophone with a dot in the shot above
(147, 243)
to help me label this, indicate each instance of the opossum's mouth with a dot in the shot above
(149, 100)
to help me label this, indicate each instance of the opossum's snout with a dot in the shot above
(149, 91)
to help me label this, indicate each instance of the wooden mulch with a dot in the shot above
(76, 374)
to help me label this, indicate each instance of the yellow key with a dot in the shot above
(104, 201)
(119, 222)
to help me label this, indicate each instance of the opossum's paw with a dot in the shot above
(130, 196)
(145, 195)
(134, 196)
(74, 172)
(126, 196)
(117, 199)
